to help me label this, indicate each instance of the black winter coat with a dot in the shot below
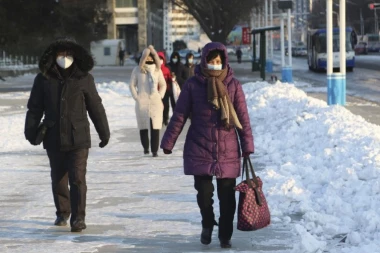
(66, 101)
(178, 69)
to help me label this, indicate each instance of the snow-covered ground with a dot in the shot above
(320, 168)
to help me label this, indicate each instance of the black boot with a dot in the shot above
(61, 221)
(154, 154)
(206, 235)
(225, 244)
(146, 152)
(78, 226)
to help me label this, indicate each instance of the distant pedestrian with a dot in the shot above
(189, 66)
(177, 68)
(169, 95)
(137, 57)
(121, 57)
(148, 87)
(64, 92)
(239, 54)
(220, 128)
(178, 74)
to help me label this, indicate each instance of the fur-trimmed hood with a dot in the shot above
(82, 58)
(147, 51)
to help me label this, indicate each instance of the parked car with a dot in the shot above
(299, 51)
(361, 48)
(374, 47)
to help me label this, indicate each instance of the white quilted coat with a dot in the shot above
(148, 89)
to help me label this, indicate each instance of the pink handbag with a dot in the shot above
(253, 211)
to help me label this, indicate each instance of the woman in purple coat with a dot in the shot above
(219, 135)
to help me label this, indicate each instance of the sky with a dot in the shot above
(320, 166)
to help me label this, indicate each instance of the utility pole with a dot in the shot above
(287, 71)
(374, 7)
(361, 23)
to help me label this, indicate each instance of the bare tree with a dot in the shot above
(218, 17)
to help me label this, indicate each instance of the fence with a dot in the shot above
(17, 61)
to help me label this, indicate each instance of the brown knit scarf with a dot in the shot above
(218, 96)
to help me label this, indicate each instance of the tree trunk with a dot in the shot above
(218, 17)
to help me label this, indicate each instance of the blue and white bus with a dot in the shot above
(317, 47)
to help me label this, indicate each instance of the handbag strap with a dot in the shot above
(248, 167)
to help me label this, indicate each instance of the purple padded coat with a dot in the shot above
(210, 149)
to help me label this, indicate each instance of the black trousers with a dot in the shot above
(69, 167)
(169, 96)
(227, 203)
(154, 138)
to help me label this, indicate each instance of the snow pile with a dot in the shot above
(322, 163)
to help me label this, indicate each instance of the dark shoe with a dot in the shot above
(78, 226)
(165, 122)
(225, 244)
(146, 152)
(206, 235)
(60, 221)
(155, 154)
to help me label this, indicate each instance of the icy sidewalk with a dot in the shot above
(316, 162)
(135, 203)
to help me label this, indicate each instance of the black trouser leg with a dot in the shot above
(205, 188)
(59, 183)
(227, 204)
(165, 101)
(144, 138)
(154, 138)
(77, 167)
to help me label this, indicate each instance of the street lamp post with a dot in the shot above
(287, 73)
(336, 82)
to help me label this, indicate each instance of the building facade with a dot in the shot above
(178, 25)
(138, 22)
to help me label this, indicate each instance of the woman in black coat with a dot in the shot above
(64, 92)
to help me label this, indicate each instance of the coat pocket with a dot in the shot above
(80, 132)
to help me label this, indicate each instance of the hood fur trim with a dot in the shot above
(82, 59)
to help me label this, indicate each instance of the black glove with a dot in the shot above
(103, 143)
(246, 154)
(33, 143)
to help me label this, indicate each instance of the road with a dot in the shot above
(363, 82)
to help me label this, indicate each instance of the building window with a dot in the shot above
(107, 51)
(126, 3)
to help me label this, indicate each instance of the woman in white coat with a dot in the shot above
(148, 87)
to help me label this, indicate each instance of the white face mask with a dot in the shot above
(65, 61)
(175, 60)
(190, 60)
(162, 61)
(215, 67)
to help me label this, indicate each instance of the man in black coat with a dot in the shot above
(64, 92)
(239, 54)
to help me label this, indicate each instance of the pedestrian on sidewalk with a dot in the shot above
(63, 93)
(148, 87)
(189, 66)
(169, 96)
(219, 134)
(121, 57)
(177, 68)
(239, 54)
